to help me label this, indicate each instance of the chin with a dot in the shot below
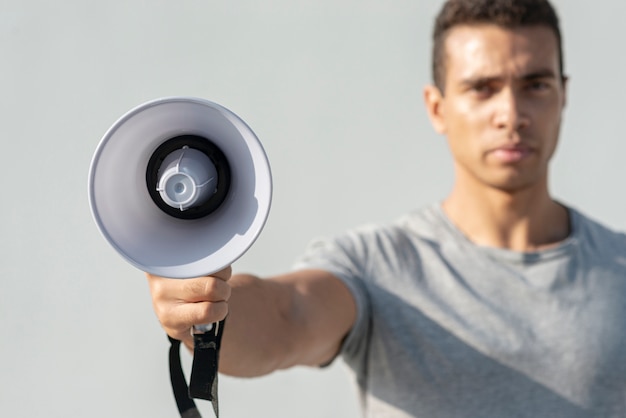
(516, 185)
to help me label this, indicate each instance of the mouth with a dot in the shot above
(511, 153)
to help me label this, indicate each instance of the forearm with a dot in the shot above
(257, 338)
(299, 318)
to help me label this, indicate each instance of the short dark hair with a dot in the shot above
(506, 13)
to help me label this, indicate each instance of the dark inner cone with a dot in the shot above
(210, 150)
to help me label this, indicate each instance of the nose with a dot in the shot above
(509, 114)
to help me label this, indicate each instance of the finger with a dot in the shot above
(200, 289)
(224, 274)
(178, 321)
(205, 289)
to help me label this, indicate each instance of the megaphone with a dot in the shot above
(180, 187)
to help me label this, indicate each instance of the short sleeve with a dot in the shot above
(345, 258)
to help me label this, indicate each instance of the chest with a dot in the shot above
(556, 328)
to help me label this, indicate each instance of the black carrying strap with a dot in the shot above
(186, 405)
(203, 383)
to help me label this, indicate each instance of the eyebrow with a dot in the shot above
(545, 73)
(542, 73)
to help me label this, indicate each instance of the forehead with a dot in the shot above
(492, 51)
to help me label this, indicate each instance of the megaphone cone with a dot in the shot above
(180, 187)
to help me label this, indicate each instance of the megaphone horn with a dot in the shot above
(180, 187)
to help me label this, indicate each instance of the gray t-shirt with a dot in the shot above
(447, 328)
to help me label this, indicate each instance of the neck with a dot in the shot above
(523, 220)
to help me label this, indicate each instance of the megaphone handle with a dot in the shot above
(202, 328)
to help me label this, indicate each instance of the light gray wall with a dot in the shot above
(333, 90)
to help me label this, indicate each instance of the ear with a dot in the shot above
(433, 99)
(565, 83)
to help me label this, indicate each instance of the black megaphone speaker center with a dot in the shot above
(208, 148)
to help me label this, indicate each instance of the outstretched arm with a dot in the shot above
(298, 318)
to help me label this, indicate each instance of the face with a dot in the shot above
(501, 110)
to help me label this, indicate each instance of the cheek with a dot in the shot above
(465, 126)
(554, 139)
(464, 117)
(548, 125)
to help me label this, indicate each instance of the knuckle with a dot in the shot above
(156, 289)
(222, 310)
(159, 311)
(193, 287)
(229, 292)
(215, 311)
(161, 308)
(168, 318)
(219, 312)
(203, 311)
(216, 290)
(210, 287)
(226, 273)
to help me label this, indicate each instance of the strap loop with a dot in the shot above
(204, 372)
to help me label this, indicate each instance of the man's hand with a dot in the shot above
(299, 318)
(181, 304)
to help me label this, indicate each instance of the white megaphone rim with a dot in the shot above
(213, 261)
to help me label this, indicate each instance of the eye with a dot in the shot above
(482, 89)
(537, 85)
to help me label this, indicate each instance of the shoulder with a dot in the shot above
(381, 243)
(589, 228)
(418, 225)
(596, 236)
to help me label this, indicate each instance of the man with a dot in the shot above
(498, 302)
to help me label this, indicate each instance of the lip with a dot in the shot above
(511, 153)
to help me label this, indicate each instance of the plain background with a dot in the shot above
(334, 92)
